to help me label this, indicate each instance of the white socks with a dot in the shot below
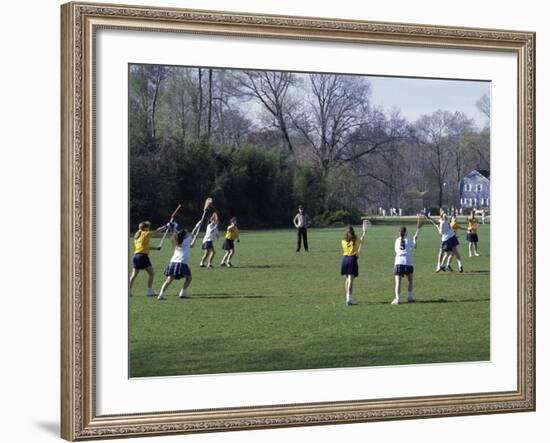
(410, 298)
(350, 300)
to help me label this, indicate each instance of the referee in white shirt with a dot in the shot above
(301, 222)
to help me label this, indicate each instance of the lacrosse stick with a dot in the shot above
(365, 227)
(419, 222)
(434, 223)
(172, 217)
(207, 203)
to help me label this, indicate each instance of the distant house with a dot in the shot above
(475, 190)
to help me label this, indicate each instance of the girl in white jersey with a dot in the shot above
(178, 267)
(403, 265)
(207, 246)
(449, 243)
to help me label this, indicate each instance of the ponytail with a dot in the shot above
(349, 234)
(177, 237)
(402, 233)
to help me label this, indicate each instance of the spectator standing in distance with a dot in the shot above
(301, 222)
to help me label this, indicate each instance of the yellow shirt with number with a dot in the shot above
(351, 248)
(232, 232)
(141, 243)
(472, 225)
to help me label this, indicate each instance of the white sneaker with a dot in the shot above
(395, 301)
(161, 297)
(183, 294)
(150, 292)
(476, 254)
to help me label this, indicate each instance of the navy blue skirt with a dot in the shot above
(450, 244)
(177, 270)
(228, 245)
(403, 270)
(472, 238)
(350, 266)
(141, 261)
(207, 245)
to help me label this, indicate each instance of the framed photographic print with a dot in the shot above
(277, 221)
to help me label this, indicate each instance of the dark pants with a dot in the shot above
(302, 235)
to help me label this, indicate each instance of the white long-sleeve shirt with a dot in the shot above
(445, 230)
(182, 252)
(404, 256)
(211, 232)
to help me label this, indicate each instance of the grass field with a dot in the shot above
(282, 310)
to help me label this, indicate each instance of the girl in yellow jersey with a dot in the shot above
(231, 234)
(141, 254)
(350, 268)
(455, 227)
(472, 234)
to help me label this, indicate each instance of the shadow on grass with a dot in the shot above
(440, 300)
(223, 296)
(261, 266)
(480, 271)
(444, 300)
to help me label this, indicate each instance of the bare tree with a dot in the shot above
(147, 88)
(271, 89)
(484, 105)
(209, 127)
(377, 135)
(199, 108)
(439, 134)
(334, 107)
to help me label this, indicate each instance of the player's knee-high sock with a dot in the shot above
(397, 287)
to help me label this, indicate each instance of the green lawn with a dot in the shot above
(280, 310)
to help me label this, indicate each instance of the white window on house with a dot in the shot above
(479, 187)
(487, 201)
(481, 201)
(475, 201)
(468, 187)
(470, 202)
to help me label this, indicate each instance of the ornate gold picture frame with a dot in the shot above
(80, 23)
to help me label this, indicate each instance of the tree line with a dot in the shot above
(261, 142)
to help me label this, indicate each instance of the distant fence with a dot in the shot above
(409, 219)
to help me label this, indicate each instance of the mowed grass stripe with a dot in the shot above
(282, 310)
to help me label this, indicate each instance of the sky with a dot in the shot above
(416, 97)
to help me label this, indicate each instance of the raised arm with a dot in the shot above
(195, 232)
(162, 228)
(435, 224)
